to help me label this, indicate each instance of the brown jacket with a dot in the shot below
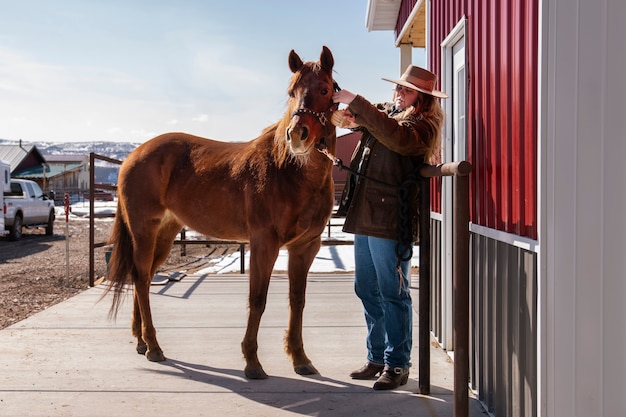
(397, 145)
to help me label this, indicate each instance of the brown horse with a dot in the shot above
(273, 191)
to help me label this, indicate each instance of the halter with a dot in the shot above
(321, 117)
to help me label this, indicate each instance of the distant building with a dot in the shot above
(26, 162)
(344, 150)
(67, 173)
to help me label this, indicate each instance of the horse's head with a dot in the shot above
(310, 102)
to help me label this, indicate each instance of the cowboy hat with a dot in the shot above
(419, 79)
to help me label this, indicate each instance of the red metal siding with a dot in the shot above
(344, 150)
(502, 95)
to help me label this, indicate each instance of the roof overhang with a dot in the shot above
(384, 15)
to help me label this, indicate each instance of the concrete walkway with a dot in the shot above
(70, 360)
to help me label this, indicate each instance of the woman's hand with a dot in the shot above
(344, 119)
(343, 96)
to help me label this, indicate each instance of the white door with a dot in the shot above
(454, 83)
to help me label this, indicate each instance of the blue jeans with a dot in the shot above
(386, 299)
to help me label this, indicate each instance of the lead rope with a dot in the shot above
(405, 228)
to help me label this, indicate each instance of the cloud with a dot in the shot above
(203, 118)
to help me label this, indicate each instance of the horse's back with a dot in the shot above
(179, 154)
(177, 145)
(192, 178)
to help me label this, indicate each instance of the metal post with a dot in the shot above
(67, 208)
(183, 237)
(460, 295)
(460, 278)
(92, 181)
(424, 288)
(242, 256)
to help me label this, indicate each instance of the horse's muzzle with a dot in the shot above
(298, 137)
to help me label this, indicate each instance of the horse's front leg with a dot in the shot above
(262, 258)
(300, 260)
(136, 326)
(162, 249)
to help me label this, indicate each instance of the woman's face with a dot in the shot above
(404, 97)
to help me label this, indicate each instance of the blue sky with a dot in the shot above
(77, 70)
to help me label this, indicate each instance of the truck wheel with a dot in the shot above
(15, 233)
(50, 225)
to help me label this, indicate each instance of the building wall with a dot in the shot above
(503, 321)
(502, 89)
(345, 148)
(572, 203)
(583, 201)
(503, 327)
(502, 94)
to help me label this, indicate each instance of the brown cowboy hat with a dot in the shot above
(419, 79)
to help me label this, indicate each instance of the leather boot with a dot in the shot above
(367, 371)
(392, 378)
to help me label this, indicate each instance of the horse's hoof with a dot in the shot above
(307, 369)
(142, 349)
(255, 373)
(155, 355)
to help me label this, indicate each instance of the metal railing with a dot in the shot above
(460, 172)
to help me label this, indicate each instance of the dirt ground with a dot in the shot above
(34, 270)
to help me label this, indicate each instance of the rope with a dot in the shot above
(405, 225)
(403, 248)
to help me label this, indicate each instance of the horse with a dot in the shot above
(273, 191)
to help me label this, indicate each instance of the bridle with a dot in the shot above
(322, 117)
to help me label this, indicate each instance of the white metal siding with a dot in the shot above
(582, 208)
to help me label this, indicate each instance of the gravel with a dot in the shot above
(39, 271)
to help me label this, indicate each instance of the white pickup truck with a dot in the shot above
(5, 186)
(25, 205)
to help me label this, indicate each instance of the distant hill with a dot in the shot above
(115, 150)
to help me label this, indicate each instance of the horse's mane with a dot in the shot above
(282, 154)
(271, 148)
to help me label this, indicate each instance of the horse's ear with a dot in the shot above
(327, 60)
(295, 63)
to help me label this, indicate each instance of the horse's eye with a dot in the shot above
(324, 91)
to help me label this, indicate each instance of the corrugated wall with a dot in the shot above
(503, 327)
(502, 97)
(503, 322)
(501, 65)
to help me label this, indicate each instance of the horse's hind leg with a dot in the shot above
(300, 260)
(146, 338)
(142, 326)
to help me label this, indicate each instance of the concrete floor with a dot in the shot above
(70, 360)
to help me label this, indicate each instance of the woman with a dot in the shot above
(397, 138)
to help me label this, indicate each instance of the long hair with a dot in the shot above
(432, 114)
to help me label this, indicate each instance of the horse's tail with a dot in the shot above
(121, 268)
